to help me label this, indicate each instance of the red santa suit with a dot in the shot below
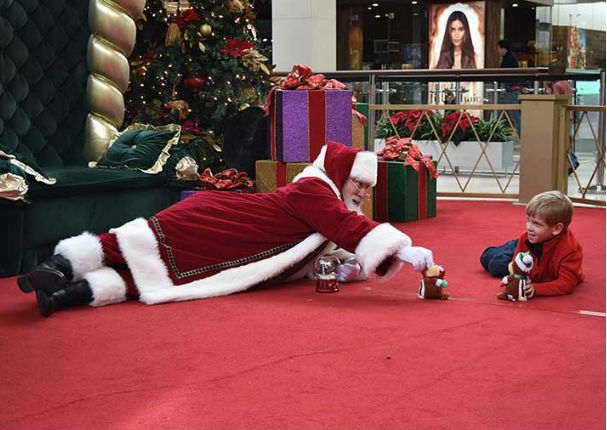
(216, 243)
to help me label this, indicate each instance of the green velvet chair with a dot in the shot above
(43, 109)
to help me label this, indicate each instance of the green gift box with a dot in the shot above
(402, 193)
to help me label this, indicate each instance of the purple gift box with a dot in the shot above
(302, 121)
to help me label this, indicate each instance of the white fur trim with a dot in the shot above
(364, 168)
(315, 172)
(237, 279)
(379, 244)
(319, 162)
(84, 253)
(107, 287)
(139, 247)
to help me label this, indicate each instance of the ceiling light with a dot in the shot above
(514, 4)
(369, 8)
(413, 2)
(377, 16)
(375, 4)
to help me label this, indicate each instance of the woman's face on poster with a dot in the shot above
(457, 33)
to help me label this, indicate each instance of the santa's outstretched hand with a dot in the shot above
(418, 257)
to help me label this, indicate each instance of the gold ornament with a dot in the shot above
(253, 60)
(173, 36)
(235, 6)
(205, 29)
(180, 107)
(247, 90)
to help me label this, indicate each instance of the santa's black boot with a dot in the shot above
(50, 276)
(74, 294)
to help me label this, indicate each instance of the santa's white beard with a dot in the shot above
(353, 203)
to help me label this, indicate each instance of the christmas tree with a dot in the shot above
(196, 67)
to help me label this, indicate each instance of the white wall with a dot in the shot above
(304, 32)
(590, 16)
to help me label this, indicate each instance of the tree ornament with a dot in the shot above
(173, 35)
(235, 6)
(205, 29)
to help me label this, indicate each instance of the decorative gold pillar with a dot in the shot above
(544, 134)
(113, 35)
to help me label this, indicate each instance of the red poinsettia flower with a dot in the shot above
(414, 116)
(184, 17)
(236, 47)
(398, 117)
(194, 83)
(449, 123)
(464, 122)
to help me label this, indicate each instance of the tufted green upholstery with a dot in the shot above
(43, 109)
(43, 74)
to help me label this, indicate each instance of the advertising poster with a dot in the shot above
(457, 41)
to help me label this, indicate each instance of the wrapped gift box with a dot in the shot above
(364, 109)
(302, 121)
(270, 174)
(402, 193)
(358, 133)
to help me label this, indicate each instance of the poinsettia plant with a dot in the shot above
(450, 126)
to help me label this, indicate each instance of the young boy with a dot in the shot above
(557, 255)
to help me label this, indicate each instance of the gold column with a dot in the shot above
(544, 132)
(113, 35)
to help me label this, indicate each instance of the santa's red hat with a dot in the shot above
(340, 162)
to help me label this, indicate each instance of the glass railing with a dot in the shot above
(477, 92)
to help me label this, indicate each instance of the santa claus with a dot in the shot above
(216, 243)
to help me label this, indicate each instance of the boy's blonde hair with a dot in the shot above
(552, 206)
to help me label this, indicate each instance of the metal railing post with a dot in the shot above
(371, 127)
(600, 178)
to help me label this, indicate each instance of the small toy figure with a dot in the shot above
(516, 281)
(433, 283)
(325, 270)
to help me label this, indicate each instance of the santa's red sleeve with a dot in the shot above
(314, 202)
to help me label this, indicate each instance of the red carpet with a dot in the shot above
(371, 356)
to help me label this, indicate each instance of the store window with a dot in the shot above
(381, 35)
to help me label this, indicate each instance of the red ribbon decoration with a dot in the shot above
(229, 179)
(301, 78)
(396, 148)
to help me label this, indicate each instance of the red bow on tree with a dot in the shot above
(229, 179)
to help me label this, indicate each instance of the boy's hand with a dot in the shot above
(529, 291)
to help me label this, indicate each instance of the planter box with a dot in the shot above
(464, 155)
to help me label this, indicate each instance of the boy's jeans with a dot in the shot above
(495, 259)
